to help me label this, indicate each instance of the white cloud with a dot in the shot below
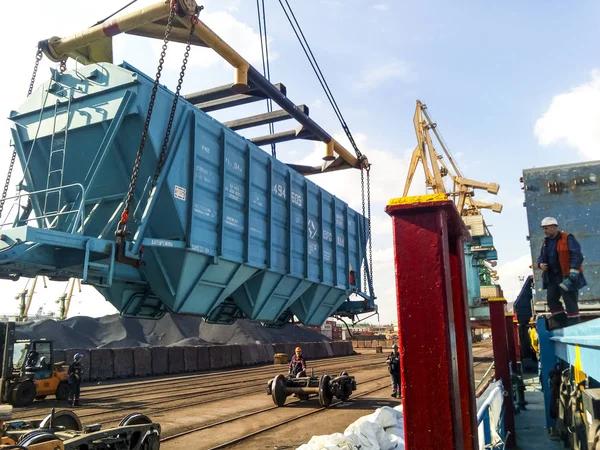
(317, 104)
(234, 7)
(375, 76)
(381, 6)
(572, 119)
(509, 274)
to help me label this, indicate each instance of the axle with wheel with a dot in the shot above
(324, 387)
(62, 430)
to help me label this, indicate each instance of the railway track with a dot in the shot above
(251, 417)
(201, 405)
(238, 384)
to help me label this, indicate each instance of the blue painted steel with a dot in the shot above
(548, 360)
(570, 193)
(480, 248)
(563, 344)
(225, 226)
(484, 417)
(585, 336)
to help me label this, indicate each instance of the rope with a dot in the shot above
(264, 50)
(317, 69)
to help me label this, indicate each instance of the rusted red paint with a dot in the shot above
(111, 28)
(501, 363)
(439, 406)
(464, 351)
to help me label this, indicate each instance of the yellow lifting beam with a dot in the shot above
(94, 45)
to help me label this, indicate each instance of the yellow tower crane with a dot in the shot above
(65, 299)
(25, 296)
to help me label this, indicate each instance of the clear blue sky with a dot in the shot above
(488, 73)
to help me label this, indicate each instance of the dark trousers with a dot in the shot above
(74, 390)
(395, 382)
(524, 341)
(570, 299)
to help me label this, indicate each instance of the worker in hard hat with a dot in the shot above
(298, 364)
(75, 374)
(561, 262)
(393, 362)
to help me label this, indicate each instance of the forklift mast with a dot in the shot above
(7, 340)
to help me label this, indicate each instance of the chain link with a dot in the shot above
(38, 58)
(362, 189)
(370, 235)
(163, 154)
(122, 226)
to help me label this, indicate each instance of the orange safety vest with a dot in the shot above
(564, 255)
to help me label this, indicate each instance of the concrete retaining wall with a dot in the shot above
(123, 363)
(107, 363)
(101, 365)
(176, 361)
(190, 359)
(160, 360)
(142, 362)
(203, 358)
(374, 343)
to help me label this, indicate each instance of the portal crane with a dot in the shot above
(480, 254)
(65, 299)
(435, 169)
(25, 296)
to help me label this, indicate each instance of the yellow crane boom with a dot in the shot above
(26, 296)
(65, 299)
(435, 168)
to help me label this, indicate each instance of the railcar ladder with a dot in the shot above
(56, 164)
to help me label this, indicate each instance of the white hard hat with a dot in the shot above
(549, 221)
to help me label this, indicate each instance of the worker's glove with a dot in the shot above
(76, 376)
(573, 275)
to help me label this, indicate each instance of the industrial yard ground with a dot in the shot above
(230, 409)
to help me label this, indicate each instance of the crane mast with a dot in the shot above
(443, 176)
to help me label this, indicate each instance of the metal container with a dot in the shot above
(571, 193)
(226, 230)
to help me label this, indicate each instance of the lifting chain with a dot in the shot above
(370, 234)
(364, 230)
(163, 154)
(122, 226)
(38, 58)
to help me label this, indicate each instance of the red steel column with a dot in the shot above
(464, 350)
(434, 338)
(501, 363)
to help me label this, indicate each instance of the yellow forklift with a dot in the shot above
(28, 370)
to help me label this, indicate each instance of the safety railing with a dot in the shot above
(490, 420)
(49, 220)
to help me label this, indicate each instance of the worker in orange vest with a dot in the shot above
(562, 275)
